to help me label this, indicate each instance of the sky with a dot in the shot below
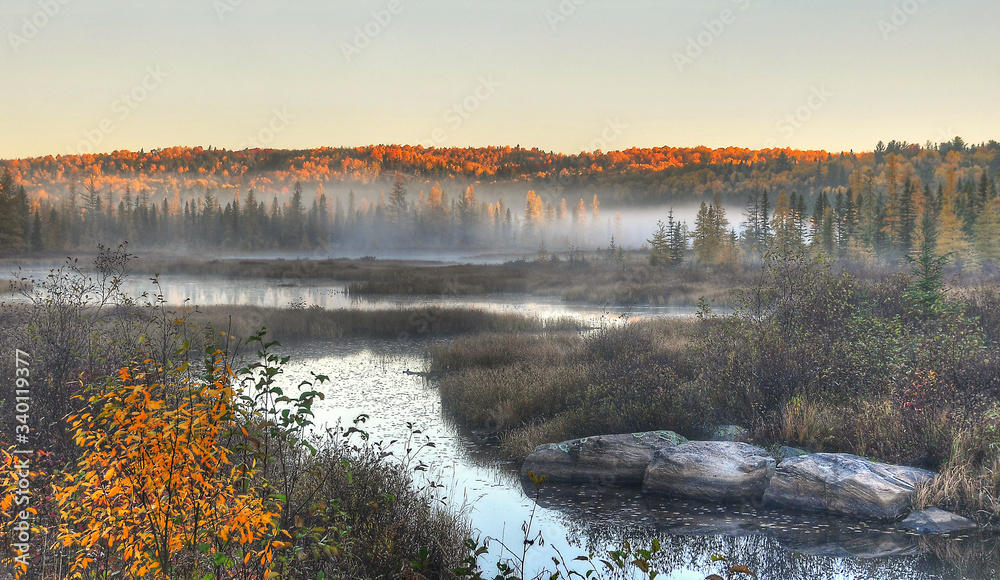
(83, 76)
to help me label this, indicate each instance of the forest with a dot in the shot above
(862, 207)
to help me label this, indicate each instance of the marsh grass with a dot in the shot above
(591, 280)
(401, 323)
(369, 497)
(542, 388)
(969, 481)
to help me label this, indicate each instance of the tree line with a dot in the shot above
(92, 216)
(636, 176)
(862, 223)
(893, 200)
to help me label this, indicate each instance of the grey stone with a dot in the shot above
(785, 452)
(603, 459)
(839, 483)
(936, 521)
(710, 470)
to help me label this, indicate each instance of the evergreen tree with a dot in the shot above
(986, 239)
(951, 240)
(907, 216)
(12, 224)
(659, 254)
(397, 201)
(37, 241)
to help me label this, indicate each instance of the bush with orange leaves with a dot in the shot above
(157, 491)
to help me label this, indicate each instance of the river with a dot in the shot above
(370, 377)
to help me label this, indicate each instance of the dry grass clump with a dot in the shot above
(537, 389)
(386, 519)
(969, 482)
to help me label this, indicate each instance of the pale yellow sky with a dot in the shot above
(564, 75)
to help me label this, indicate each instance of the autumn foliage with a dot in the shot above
(156, 491)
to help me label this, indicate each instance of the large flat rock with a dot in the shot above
(839, 483)
(711, 471)
(603, 459)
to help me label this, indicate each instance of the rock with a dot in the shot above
(729, 433)
(785, 452)
(839, 483)
(710, 470)
(936, 521)
(604, 459)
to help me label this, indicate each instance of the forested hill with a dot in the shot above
(630, 177)
(886, 203)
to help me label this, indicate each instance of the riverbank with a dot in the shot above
(891, 368)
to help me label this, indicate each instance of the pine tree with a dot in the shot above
(659, 254)
(12, 225)
(397, 201)
(678, 239)
(986, 239)
(783, 222)
(907, 216)
(37, 241)
(533, 210)
(764, 221)
(706, 244)
(951, 238)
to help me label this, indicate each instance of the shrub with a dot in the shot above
(155, 489)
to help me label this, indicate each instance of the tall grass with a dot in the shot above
(535, 389)
(382, 517)
(414, 323)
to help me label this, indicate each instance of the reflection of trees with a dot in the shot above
(779, 546)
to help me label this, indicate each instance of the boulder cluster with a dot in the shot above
(667, 464)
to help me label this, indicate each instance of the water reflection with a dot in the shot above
(368, 377)
(178, 290)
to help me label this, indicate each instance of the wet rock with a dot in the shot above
(485, 436)
(936, 521)
(839, 483)
(729, 433)
(711, 471)
(603, 459)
